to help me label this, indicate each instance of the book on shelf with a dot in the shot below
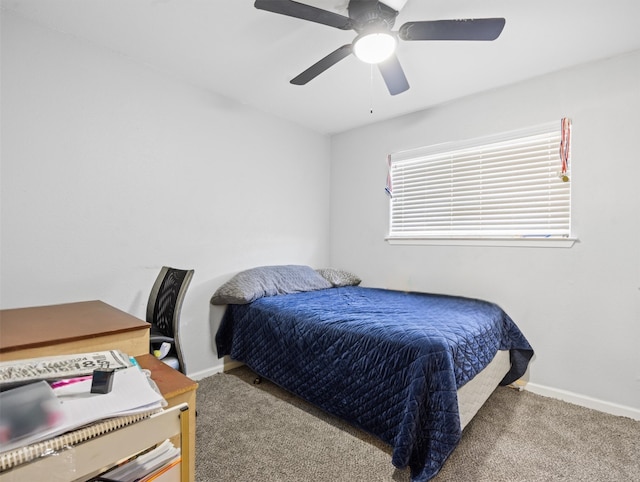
(169, 473)
(146, 466)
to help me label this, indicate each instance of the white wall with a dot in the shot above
(579, 307)
(111, 170)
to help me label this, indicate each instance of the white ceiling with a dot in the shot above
(249, 55)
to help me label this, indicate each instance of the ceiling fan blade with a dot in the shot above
(469, 29)
(305, 12)
(322, 65)
(393, 75)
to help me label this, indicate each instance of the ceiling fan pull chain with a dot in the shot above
(371, 88)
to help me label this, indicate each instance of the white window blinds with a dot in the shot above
(512, 185)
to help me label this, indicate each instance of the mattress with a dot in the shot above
(476, 391)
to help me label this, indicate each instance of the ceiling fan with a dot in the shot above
(376, 42)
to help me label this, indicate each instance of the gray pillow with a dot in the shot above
(254, 283)
(339, 277)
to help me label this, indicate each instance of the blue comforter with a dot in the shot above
(389, 362)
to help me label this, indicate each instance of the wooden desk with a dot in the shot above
(94, 326)
(82, 327)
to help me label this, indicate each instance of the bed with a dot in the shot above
(392, 363)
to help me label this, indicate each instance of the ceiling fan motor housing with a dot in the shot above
(369, 16)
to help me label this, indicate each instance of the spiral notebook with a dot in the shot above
(21, 455)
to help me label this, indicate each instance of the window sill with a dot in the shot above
(524, 242)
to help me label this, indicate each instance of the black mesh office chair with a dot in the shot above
(163, 312)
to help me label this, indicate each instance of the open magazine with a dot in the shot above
(50, 368)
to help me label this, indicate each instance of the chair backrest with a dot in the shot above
(165, 300)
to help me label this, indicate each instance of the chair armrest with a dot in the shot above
(160, 339)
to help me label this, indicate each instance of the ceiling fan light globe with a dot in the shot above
(374, 48)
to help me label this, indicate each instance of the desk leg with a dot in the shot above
(189, 455)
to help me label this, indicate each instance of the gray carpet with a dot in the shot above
(249, 433)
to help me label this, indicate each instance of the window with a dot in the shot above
(511, 186)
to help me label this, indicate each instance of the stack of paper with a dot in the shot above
(131, 393)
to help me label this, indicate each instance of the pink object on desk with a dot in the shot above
(69, 381)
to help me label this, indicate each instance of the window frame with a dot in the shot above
(441, 151)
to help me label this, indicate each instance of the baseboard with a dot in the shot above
(205, 373)
(584, 401)
(222, 367)
(231, 364)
